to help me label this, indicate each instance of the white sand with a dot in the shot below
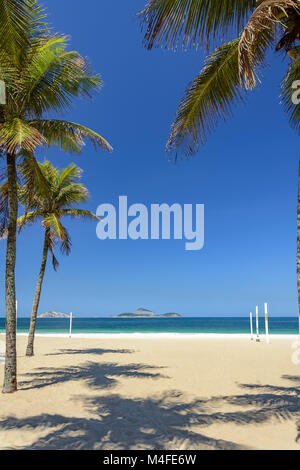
(186, 392)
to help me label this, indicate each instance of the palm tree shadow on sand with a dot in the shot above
(168, 421)
(123, 423)
(90, 351)
(94, 375)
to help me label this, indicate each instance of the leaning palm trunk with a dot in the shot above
(298, 246)
(10, 374)
(37, 296)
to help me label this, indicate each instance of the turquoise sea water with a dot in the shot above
(277, 325)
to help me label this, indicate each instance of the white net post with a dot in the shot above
(71, 321)
(267, 323)
(257, 325)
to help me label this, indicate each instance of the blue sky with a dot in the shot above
(246, 175)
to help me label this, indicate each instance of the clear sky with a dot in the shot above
(246, 176)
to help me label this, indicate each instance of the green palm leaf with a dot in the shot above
(57, 231)
(55, 76)
(75, 193)
(78, 214)
(14, 19)
(191, 22)
(208, 99)
(32, 177)
(51, 247)
(7, 69)
(69, 175)
(50, 174)
(69, 136)
(289, 88)
(17, 134)
(28, 218)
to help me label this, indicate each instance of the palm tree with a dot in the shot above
(41, 77)
(14, 22)
(231, 69)
(64, 192)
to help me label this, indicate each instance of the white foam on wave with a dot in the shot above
(137, 335)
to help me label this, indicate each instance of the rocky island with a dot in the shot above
(145, 313)
(54, 315)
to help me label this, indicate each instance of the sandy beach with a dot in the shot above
(154, 393)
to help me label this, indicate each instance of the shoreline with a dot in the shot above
(138, 335)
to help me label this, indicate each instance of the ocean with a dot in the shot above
(187, 325)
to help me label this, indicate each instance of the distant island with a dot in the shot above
(145, 313)
(54, 315)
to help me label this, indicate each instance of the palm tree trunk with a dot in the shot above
(37, 296)
(10, 373)
(298, 245)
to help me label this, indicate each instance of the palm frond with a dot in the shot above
(192, 22)
(58, 232)
(55, 76)
(38, 26)
(17, 134)
(33, 183)
(51, 247)
(28, 219)
(291, 94)
(32, 176)
(208, 99)
(36, 30)
(7, 70)
(69, 175)
(78, 214)
(69, 136)
(259, 33)
(75, 193)
(51, 175)
(14, 20)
